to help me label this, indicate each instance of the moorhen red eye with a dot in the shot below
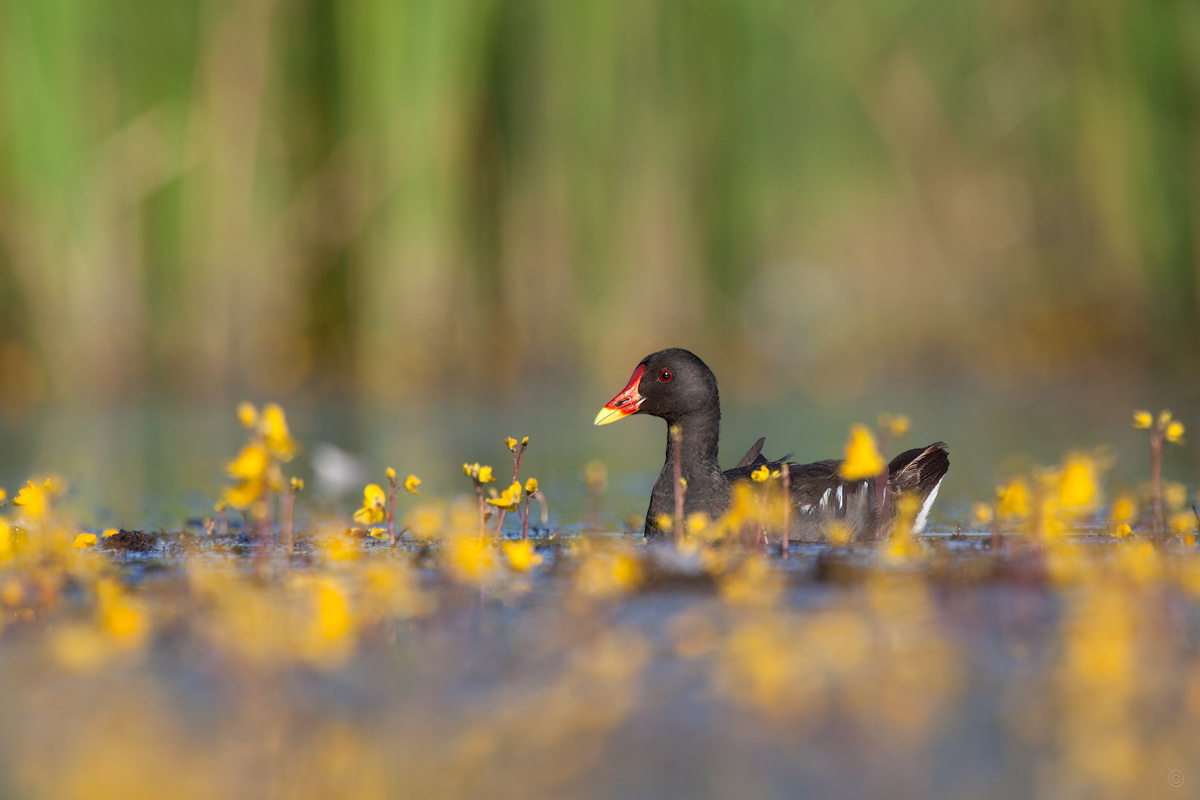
(685, 395)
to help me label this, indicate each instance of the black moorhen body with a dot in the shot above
(677, 386)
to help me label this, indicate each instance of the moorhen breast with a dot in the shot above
(676, 385)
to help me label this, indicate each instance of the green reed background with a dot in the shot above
(400, 196)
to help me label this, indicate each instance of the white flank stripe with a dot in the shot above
(840, 504)
(919, 525)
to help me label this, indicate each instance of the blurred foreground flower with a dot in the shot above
(862, 458)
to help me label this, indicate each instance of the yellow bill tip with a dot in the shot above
(608, 415)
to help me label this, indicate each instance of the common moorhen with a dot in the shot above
(676, 385)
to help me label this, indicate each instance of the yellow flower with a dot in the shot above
(1163, 418)
(897, 425)
(1183, 522)
(84, 540)
(512, 444)
(247, 415)
(862, 458)
(664, 522)
(509, 499)
(391, 474)
(275, 430)
(1122, 530)
(838, 533)
(1013, 500)
(1175, 494)
(983, 513)
(1124, 509)
(373, 501)
(761, 474)
(469, 558)
(531, 486)
(1077, 489)
(1142, 419)
(411, 483)
(110, 532)
(251, 464)
(33, 499)
(521, 555)
(244, 494)
(3, 497)
(485, 475)
(470, 470)
(297, 484)
(1174, 432)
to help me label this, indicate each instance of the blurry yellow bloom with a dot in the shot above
(1163, 418)
(754, 582)
(862, 458)
(296, 484)
(425, 521)
(251, 464)
(84, 540)
(219, 506)
(509, 499)
(470, 470)
(79, 647)
(1175, 494)
(761, 474)
(664, 522)
(1174, 433)
(531, 486)
(1013, 500)
(391, 474)
(5, 540)
(470, 558)
(1077, 486)
(374, 500)
(411, 483)
(838, 533)
(983, 513)
(683, 483)
(897, 425)
(595, 476)
(1124, 509)
(110, 532)
(333, 615)
(521, 555)
(1182, 522)
(244, 494)
(697, 523)
(607, 573)
(275, 430)
(485, 475)
(33, 499)
(1122, 530)
(3, 497)
(122, 619)
(1142, 419)
(511, 443)
(247, 414)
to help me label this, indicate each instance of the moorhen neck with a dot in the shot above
(676, 385)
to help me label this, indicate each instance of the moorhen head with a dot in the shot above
(676, 385)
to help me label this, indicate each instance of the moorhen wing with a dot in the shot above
(676, 385)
